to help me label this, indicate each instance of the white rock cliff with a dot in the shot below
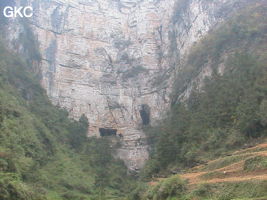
(115, 60)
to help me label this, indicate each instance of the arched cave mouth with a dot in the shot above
(145, 114)
(107, 132)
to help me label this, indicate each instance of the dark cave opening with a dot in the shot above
(107, 132)
(145, 114)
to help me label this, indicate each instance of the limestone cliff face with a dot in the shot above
(115, 60)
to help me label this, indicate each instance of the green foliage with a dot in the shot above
(139, 192)
(202, 190)
(255, 163)
(166, 189)
(44, 155)
(221, 118)
(227, 191)
(80, 128)
(229, 110)
(152, 167)
(215, 191)
(12, 188)
(245, 32)
(263, 112)
(223, 162)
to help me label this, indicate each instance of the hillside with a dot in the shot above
(219, 107)
(240, 175)
(244, 165)
(226, 105)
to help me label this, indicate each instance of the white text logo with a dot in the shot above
(18, 12)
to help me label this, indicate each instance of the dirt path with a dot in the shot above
(233, 167)
(237, 179)
(195, 178)
(259, 146)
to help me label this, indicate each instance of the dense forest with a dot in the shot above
(46, 155)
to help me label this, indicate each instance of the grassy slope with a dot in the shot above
(241, 175)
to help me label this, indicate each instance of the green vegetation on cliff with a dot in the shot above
(229, 110)
(226, 113)
(43, 153)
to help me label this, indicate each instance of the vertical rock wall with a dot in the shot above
(115, 60)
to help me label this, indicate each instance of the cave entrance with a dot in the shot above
(145, 114)
(107, 132)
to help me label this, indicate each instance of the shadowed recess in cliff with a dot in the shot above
(145, 114)
(107, 132)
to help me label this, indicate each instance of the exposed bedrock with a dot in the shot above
(115, 60)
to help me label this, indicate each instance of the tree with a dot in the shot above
(78, 133)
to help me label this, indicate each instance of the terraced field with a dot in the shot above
(241, 175)
(232, 168)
